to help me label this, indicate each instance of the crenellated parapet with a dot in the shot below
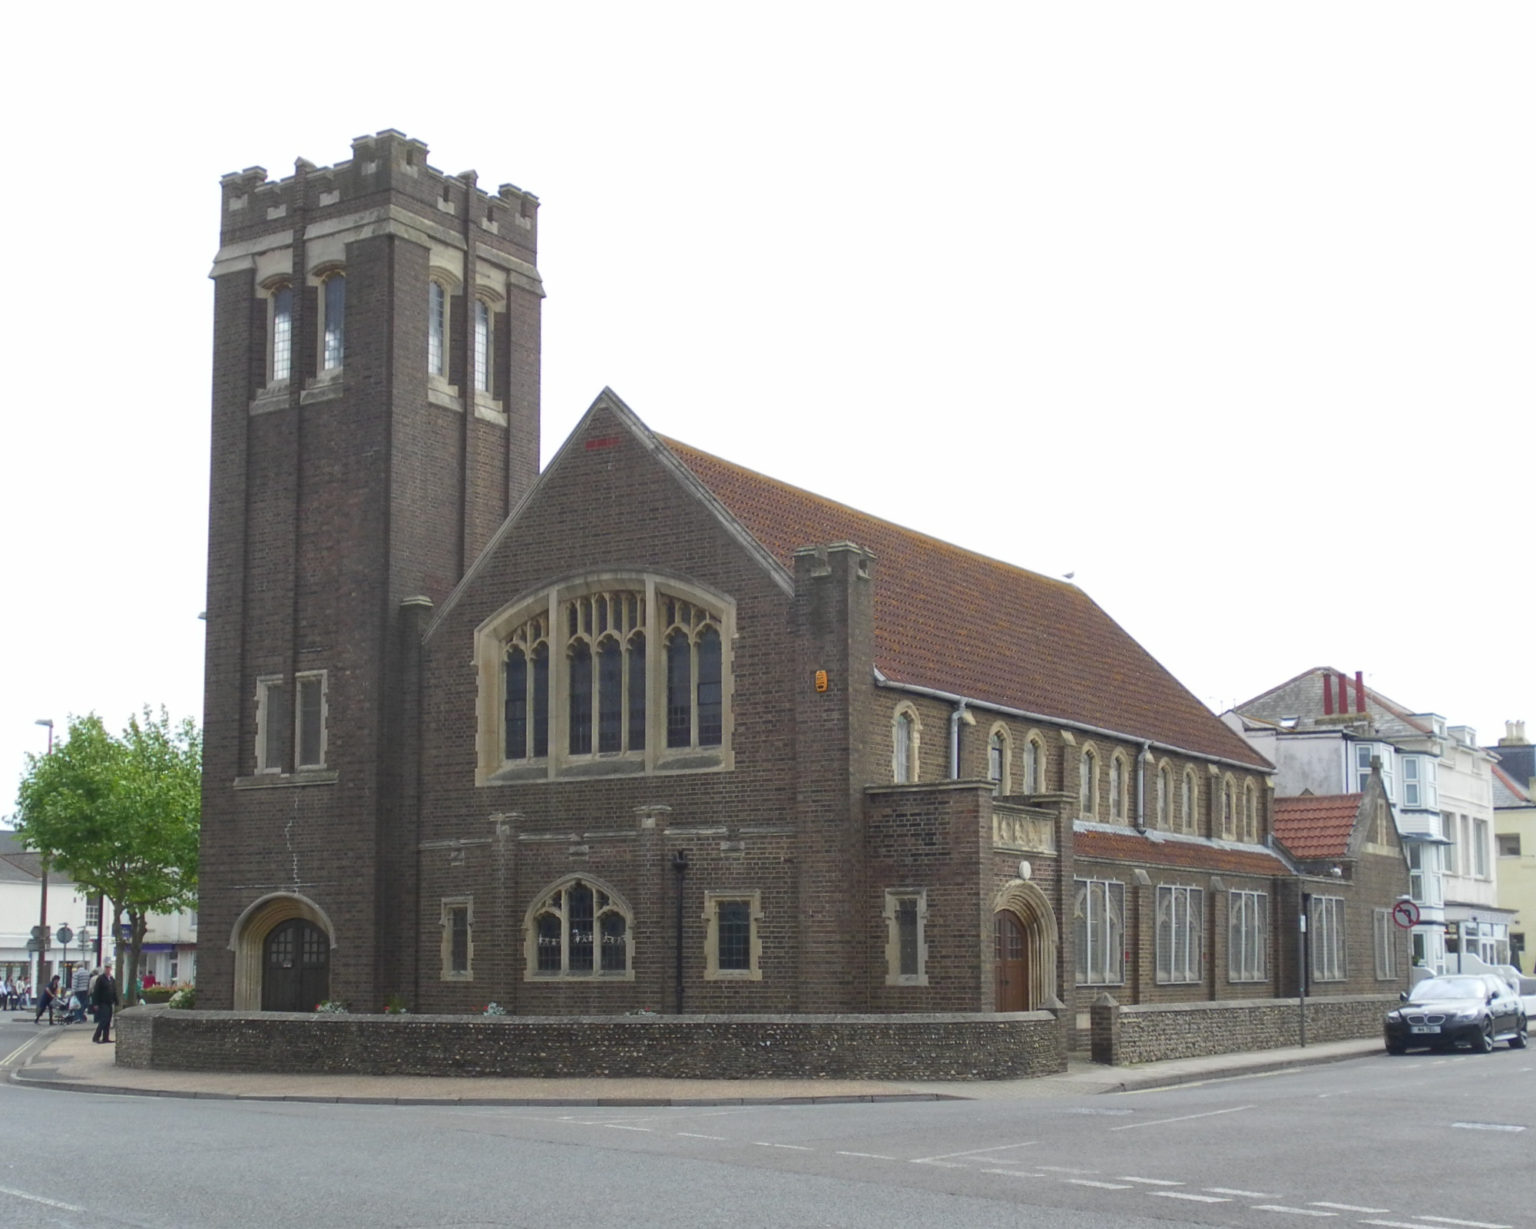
(386, 169)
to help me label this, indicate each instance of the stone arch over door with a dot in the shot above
(253, 928)
(1030, 911)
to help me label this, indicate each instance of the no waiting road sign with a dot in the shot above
(1406, 914)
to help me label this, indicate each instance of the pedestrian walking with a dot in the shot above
(46, 1000)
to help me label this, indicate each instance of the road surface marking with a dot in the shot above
(1191, 1195)
(1393, 1224)
(1346, 1207)
(619, 1126)
(1150, 1181)
(1469, 1224)
(1103, 1186)
(869, 1156)
(1280, 1207)
(792, 1147)
(1068, 1169)
(1486, 1126)
(52, 1203)
(1011, 1173)
(1227, 1190)
(944, 1156)
(696, 1135)
(1158, 1122)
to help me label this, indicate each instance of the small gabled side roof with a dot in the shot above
(1507, 792)
(1317, 825)
(957, 622)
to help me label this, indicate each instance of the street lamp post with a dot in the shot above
(42, 912)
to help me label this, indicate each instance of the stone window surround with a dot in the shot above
(891, 912)
(320, 277)
(268, 687)
(998, 736)
(1112, 921)
(1247, 911)
(711, 917)
(1034, 743)
(1119, 788)
(914, 731)
(493, 768)
(299, 679)
(1186, 942)
(1384, 943)
(449, 905)
(1327, 940)
(616, 902)
(1088, 781)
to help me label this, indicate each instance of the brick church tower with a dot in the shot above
(375, 419)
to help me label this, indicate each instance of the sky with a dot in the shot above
(1222, 308)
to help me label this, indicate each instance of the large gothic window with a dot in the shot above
(622, 676)
(579, 929)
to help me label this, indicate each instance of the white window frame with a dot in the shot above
(270, 700)
(310, 678)
(1098, 918)
(1413, 794)
(1384, 942)
(1480, 866)
(1247, 936)
(1180, 934)
(895, 975)
(451, 905)
(1328, 951)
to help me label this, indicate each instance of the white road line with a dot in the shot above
(695, 1135)
(1486, 1126)
(1190, 1195)
(619, 1126)
(1010, 1173)
(1131, 1126)
(869, 1156)
(1468, 1224)
(1103, 1186)
(792, 1147)
(1393, 1224)
(944, 1156)
(1150, 1181)
(1280, 1207)
(1346, 1207)
(51, 1203)
(1068, 1169)
(1227, 1190)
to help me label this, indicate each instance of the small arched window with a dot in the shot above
(1162, 817)
(1250, 813)
(482, 346)
(1034, 762)
(437, 329)
(1117, 796)
(1228, 817)
(1189, 801)
(904, 732)
(1088, 783)
(997, 760)
(282, 333)
(333, 326)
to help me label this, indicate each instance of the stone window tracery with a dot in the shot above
(579, 929)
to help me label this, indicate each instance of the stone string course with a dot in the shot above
(889, 1047)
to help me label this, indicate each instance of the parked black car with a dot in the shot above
(1470, 1010)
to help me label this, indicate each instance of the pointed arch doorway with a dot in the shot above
(1024, 939)
(282, 945)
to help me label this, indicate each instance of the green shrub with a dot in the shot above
(158, 994)
(185, 997)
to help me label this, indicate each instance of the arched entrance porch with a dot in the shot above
(282, 945)
(1024, 947)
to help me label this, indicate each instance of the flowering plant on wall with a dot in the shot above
(493, 1009)
(331, 1007)
(396, 1006)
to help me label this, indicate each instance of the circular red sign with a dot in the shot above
(1406, 914)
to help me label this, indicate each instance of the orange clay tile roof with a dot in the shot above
(1316, 825)
(961, 623)
(1190, 855)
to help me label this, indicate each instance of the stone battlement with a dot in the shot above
(388, 162)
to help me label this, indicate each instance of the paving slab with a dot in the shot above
(67, 1059)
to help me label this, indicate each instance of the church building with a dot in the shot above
(650, 731)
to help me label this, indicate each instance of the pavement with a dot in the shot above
(64, 1057)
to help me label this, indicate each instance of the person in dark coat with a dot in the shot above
(104, 999)
(46, 1000)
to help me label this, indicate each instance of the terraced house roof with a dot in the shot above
(956, 621)
(1316, 825)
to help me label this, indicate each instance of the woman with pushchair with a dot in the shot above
(47, 1001)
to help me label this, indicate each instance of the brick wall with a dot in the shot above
(888, 1047)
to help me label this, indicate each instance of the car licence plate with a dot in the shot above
(1424, 1028)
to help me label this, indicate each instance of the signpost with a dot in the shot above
(1406, 914)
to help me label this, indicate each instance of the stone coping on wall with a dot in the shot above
(957, 1046)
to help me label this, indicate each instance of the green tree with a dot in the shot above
(119, 815)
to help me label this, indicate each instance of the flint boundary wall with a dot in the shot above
(890, 1047)
(1149, 1033)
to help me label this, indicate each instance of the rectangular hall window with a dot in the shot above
(282, 333)
(333, 334)
(732, 945)
(482, 346)
(906, 952)
(273, 730)
(1098, 919)
(311, 716)
(1480, 848)
(1180, 934)
(437, 329)
(1247, 936)
(1385, 943)
(1327, 926)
